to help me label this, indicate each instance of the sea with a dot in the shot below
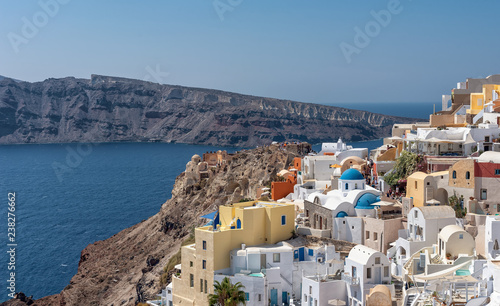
(67, 196)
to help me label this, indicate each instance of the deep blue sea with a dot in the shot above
(70, 195)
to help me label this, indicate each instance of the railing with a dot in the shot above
(270, 266)
(349, 279)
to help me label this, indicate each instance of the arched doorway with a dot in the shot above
(442, 196)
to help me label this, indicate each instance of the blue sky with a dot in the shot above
(286, 49)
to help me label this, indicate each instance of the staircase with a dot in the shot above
(286, 281)
(436, 259)
(409, 300)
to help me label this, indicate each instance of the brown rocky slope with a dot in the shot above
(125, 268)
(110, 109)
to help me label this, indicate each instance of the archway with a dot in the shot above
(442, 196)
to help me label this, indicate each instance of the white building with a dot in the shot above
(320, 289)
(459, 141)
(273, 273)
(492, 274)
(364, 269)
(424, 224)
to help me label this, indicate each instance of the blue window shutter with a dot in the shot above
(311, 252)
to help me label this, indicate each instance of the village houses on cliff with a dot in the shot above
(343, 227)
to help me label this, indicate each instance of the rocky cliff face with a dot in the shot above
(107, 109)
(125, 268)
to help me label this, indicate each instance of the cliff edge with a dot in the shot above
(125, 269)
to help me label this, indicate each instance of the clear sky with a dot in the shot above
(309, 51)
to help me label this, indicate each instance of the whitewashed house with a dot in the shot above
(424, 224)
(364, 269)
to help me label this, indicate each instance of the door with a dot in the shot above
(284, 298)
(263, 261)
(301, 254)
(274, 297)
(378, 275)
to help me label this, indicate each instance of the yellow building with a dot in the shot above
(479, 100)
(249, 223)
(424, 188)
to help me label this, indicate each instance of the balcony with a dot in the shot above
(354, 281)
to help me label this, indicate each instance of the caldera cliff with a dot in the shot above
(110, 109)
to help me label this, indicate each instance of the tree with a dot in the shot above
(406, 164)
(227, 294)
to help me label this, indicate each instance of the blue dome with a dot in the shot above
(351, 175)
(341, 214)
(365, 201)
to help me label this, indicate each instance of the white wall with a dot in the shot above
(348, 229)
(322, 292)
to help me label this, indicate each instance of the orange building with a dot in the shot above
(280, 190)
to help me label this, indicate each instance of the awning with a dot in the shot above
(210, 215)
(382, 203)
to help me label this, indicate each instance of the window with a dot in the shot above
(467, 175)
(305, 297)
(205, 286)
(247, 296)
(386, 271)
(353, 272)
(377, 260)
(276, 257)
(367, 235)
(315, 302)
(191, 280)
(310, 289)
(311, 252)
(356, 186)
(204, 245)
(416, 214)
(368, 272)
(191, 264)
(283, 220)
(375, 236)
(486, 138)
(497, 171)
(260, 297)
(307, 212)
(428, 183)
(346, 185)
(483, 194)
(461, 236)
(416, 185)
(201, 285)
(204, 264)
(454, 174)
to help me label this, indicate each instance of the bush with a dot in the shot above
(406, 164)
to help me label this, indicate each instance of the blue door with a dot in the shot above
(274, 297)
(238, 223)
(284, 298)
(301, 254)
